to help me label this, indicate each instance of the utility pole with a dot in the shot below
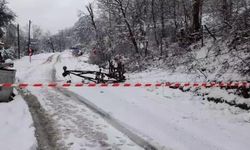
(110, 25)
(18, 41)
(29, 49)
(29, 36)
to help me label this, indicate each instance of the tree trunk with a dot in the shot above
(227, 9)
(52, 45)
(196, 15)
(110, 25)
(162, 25)
(186, 16)
(154, 22)
(175, 18)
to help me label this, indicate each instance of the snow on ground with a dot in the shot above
(167, 117)
(80, 127)
(161, 76)
(27, 71)
(218, 93)
(177, 120)
(16, 126)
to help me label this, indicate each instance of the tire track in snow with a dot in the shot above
(45, 131)
(73, 119)
(115, 123)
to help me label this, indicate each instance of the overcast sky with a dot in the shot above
(51, 15)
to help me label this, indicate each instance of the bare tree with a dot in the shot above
(92, 16)
(123, 8)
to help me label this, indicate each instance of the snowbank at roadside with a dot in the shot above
(16, 126)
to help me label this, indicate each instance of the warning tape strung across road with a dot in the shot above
(172, 85)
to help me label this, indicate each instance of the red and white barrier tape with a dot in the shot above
(173, 85)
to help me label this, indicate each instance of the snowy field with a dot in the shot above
(165, 118)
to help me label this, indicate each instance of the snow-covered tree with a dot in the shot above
(6, 16)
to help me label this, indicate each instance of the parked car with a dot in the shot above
(76, 52)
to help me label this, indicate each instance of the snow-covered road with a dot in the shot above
(74, 125)
(165, 118)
